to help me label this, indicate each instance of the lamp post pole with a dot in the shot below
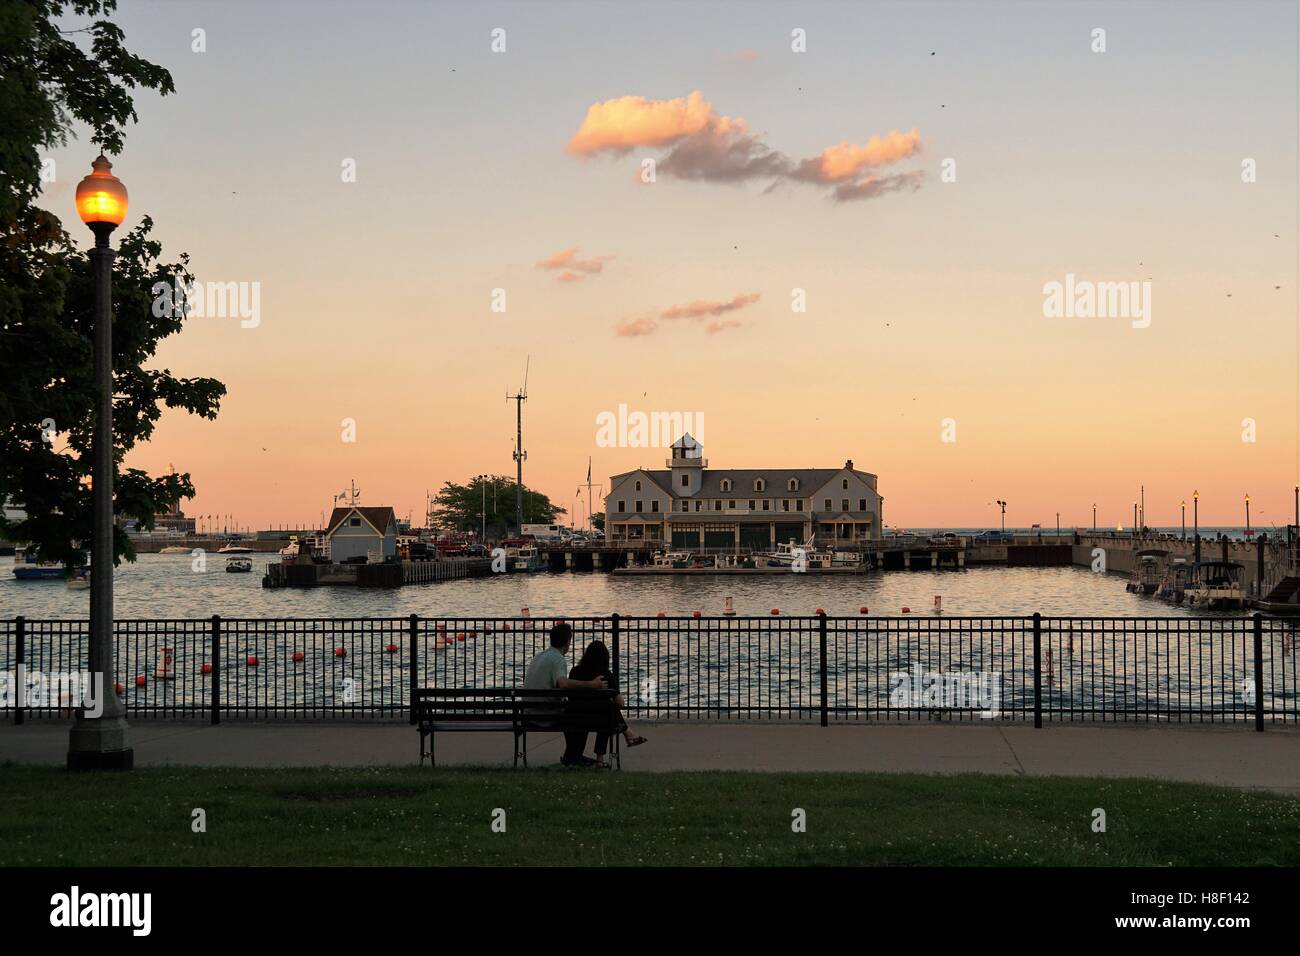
(1135, 519)
(102, 742)
(1247, 516)
(1183, 505)
(1003, 505)
(1196, 523)
(1094, 518)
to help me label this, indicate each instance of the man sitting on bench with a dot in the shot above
(549, 670)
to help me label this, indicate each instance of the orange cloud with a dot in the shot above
(629, 121)
(848, 160)
(701, 307)
(634, 327)
(704, 145)
(567, 260)
(713, 328)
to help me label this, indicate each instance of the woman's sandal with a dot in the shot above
(636, 741)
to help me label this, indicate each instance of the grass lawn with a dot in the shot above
(406, 815)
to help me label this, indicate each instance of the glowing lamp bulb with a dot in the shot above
(101, 197)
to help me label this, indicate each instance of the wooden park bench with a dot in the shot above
(514, 710)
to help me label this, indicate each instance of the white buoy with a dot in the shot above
(164, 670)
(729, 610)
(938, 604)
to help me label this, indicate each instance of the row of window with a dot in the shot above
(765, 504)
(760, 484)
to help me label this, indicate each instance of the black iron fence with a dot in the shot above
(924, 667)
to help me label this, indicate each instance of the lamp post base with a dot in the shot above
(101, 759)
(100, 743)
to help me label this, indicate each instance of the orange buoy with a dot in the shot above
(461, 636)
(907, 610)
(473, 633)
(776, 610)
(299, 657)
(206, 668)
(119, 688)
(448, 640)
(693, 614)
(140, 680)
(340, 652)
(251, 660)
(863, 609)
(661, 614)
(821, 613)
(391, 648)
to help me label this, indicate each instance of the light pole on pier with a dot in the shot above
(103, 742)
(1248, 516)
(1184, 519)
(482, 513)
(1135, 519)
(1196, 523)
(1003, 505)
(1094, 518)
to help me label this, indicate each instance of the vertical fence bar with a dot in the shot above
(1038, 669)
(20, 650)
(1259, 670)
(613, 638)
(821, 627)
(415, 662)
(216, 669)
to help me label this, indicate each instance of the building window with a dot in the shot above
(751, 504)
(767, 505)
(792, 484)
(862, 504)
(828, 504)
(685, 506)
(760, 484)
(798, 504)
(354, 522)
(717, 505)
(638, 486)
(731, 504)
(697, 505)
(638, 506)
(686, 481)
(844, 504)
(654, 506)
(621, 509)
(726, 484)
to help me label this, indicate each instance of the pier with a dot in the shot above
(389, 575)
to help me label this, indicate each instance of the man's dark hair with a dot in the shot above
(561, 634)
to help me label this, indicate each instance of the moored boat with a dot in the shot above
(1215, 586)
(239, 564)
(1148, 571)
(28, 566)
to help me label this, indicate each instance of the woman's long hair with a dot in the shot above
(594, 662)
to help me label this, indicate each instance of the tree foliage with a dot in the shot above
(457, 507)
(47, 406)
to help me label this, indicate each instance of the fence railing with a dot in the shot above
(923, 667)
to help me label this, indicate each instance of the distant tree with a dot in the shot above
(457, 507)
(598, 521)
(47, 404)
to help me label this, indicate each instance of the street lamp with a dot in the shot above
(1135, 519)
(1183, 505)
(482, 534)
(102, 742)
(1247, 516)
(1003, 505)
(1094, 518)
(1196, 523)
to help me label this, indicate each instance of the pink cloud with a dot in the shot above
(631, 328)
(713, 328)
(567, 260)
(702, 307)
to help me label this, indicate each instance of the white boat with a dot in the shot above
(1215, 586)
(174, 549)
(239, 564)
(787, 554)
(1148, 572)
(236, 549)
(672, 559)
(526, 558)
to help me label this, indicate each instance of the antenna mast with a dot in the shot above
(519, 398)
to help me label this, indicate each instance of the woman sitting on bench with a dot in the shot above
(595, 663)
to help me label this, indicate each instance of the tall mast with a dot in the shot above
(519, 398)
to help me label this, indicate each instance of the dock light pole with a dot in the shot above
(1003, 505)
(103, 742)
(1135, 519)
(1094, 518)
(1196, 523)
(482, 512)
(1248, 516)
(1183, 504)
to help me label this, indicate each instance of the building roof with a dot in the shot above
(377, 518)
(810, 480)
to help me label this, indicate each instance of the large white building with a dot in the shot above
(690, 505)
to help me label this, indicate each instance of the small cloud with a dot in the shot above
(701, 308)
(713, 328)
(874, 186)
(632, 328)
(743, 56)
(567, 259)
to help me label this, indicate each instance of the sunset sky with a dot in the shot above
(775, 171)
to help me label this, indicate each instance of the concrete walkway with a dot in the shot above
(1232, 756)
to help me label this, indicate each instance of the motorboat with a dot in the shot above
(28, 566)
(676, 560)
(174, 549)
(526, 558)
(1174, 582)
(1216, 586)
(236, 549)
(1148, 570)
(239, 564)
